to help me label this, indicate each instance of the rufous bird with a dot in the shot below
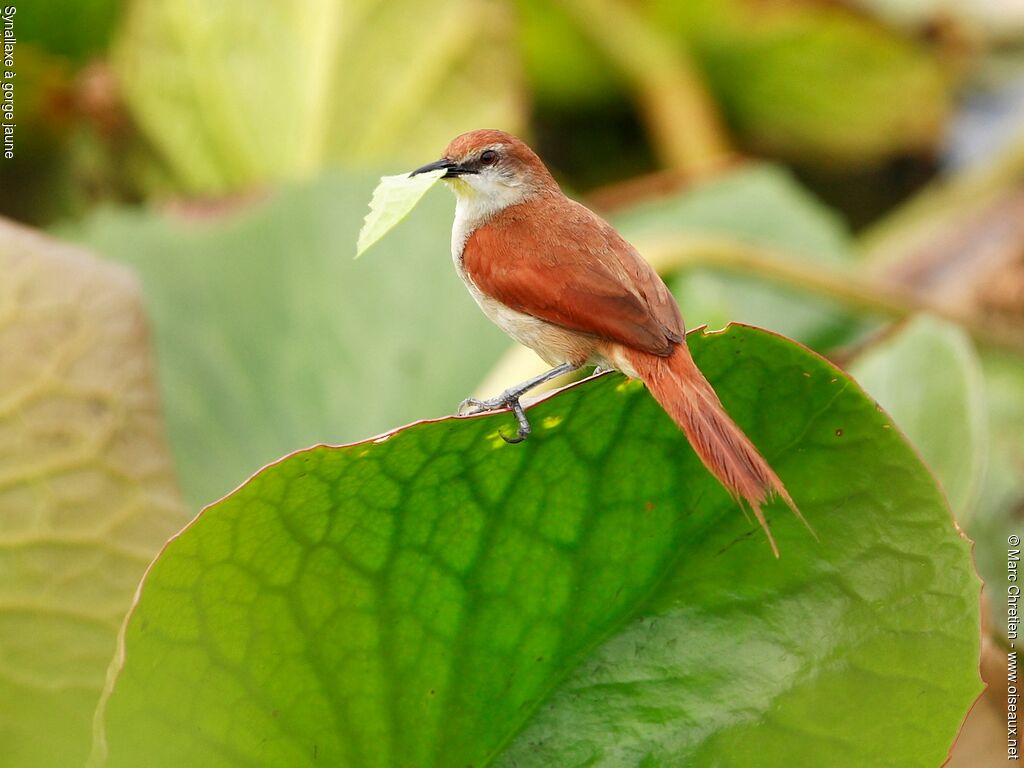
(560, 280)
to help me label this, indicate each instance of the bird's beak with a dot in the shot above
(452, 169)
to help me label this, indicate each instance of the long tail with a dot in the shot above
(677, 383)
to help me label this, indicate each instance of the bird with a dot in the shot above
(559, 279)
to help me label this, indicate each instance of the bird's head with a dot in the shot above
(492, 170)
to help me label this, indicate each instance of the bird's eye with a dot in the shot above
(488, 157)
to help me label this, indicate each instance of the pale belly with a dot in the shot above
(555, 345)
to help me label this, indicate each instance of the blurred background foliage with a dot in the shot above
(850, 173)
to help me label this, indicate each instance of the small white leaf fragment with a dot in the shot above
(392, 201)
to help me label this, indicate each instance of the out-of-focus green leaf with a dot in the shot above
(270, 336)
(564, 68)
(422, 599)
(87, 491)
(928, 376)
(1000, 509)
(393, 199)
(761, 204)
(937, 240)
(232, 96)
(1004, 385)
(802, 80)
(812, 82)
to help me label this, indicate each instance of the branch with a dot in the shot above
(847, 286)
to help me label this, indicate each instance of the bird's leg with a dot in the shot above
(510, 399)
(512, 394)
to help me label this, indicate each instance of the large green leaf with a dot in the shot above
(87, 491)
(424, 598)
(270, 336)
(928, 376)
(230, 95)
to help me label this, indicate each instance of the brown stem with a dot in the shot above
(847, 286)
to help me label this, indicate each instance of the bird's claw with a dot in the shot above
(512, 440)
(471, 406)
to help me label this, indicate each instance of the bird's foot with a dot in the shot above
(471, 406)
(510, 399)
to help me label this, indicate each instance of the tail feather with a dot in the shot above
(677, 383)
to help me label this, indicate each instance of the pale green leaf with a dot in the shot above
(230, 95)
(1000, 509)
(393, 200)
(87, 489)
(927, 375)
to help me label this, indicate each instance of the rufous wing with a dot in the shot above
(562, 263)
